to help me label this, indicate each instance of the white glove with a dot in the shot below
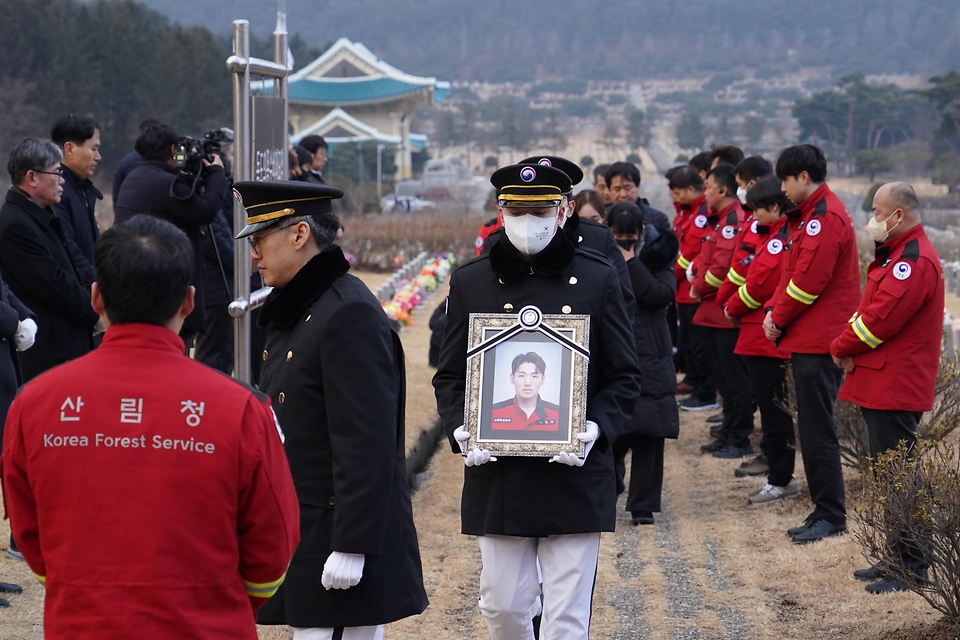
(27, 336)
(589, 435)
(342, 570)
(690, 275)
(99, 327)
(475, 457)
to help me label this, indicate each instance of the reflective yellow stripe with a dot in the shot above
(41, 579)
(852, 318)
(864, 334)
(735, 278)
(265, 589)
(683, 262)
(713, 280)
(799, 294)
(747, 300)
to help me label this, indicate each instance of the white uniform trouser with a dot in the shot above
(349, 633)
(509, 587)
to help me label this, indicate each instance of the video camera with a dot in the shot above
(191, 152)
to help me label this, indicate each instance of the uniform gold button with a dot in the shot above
(282, 397)
(289, 355)
(264, 355)
(307, 319)
(566, 308)
(508, 307)
(572, 280)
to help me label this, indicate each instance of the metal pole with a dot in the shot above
(243, 170)
(280, 47)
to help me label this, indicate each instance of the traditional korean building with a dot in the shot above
(350, 95)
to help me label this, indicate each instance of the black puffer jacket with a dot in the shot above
(655, 284)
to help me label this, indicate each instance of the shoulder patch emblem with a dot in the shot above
(813, 227)
(775, 246)
(729, 231)
(753, 226)
(700, 221)
(902, 270)
(478, 243)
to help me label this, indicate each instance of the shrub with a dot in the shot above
(914, 500)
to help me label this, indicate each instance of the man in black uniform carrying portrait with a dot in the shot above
(553, 509)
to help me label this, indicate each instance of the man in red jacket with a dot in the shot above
(890, 349)
(148, 493)
(818, 290)
(711, 267)
(686, 188)
(766, 363)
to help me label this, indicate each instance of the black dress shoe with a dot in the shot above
(792, 531)
(716, 445)
(4, 603)
(716, 431)
(818, 531)
(885, 585)
(6, 587)
(872, 574)
(642, 517)
(716, 418)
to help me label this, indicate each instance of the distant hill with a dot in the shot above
(507, 40)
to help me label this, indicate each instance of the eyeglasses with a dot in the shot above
(255, 243)
(58, 172)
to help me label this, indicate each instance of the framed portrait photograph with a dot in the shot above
(527, 382)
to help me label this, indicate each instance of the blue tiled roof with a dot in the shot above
(346, 92)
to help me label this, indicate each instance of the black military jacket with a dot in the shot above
(530, 496)
(334, 370)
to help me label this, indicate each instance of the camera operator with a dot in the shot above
(157, 189)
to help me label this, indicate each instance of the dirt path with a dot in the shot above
(711, 567)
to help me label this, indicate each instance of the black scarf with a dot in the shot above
(509, 264)
(571, 228)
(285, 306)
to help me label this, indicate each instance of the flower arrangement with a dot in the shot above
(410, 294)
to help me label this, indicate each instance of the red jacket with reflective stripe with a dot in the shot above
(763, 276)
(820, 281)
(895, 335)
(742, 257)
(149, 493)
(486, 230)
(691, 236)
(713, 263)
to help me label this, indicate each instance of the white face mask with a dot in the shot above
(528, 233)
(742, 194)
(878, 230)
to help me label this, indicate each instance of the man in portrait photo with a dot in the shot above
(526, 411)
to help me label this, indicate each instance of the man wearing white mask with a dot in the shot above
(549, 509)
(891, 348)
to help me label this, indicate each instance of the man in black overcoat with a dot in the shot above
(35, 263)
(334, 369)
(155, 188)
(522, 508)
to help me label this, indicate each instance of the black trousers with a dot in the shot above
(886, 429)
(768, 380)
(675, 338)
(697, 358)
(646, 470)
(734, 383)
(817, 382)
(215, 347)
